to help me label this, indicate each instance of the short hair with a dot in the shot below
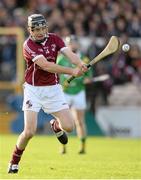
(36, 20)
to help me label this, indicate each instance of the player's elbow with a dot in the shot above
(43, 64)
(47, 67)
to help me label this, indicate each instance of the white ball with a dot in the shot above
(125, 47)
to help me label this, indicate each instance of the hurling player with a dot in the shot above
(41, 87)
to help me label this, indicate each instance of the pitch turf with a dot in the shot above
(106, 158)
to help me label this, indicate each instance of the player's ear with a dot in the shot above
(28, 29)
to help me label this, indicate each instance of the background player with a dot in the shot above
(75, 93)
(41, 88)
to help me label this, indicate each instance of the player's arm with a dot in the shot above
(74, 59)
(88, 75)
(45, 65)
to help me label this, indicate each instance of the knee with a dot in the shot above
(28, 134)
(69, 127)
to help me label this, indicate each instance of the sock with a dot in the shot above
(83, 139)
(16, 156)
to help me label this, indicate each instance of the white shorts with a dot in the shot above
(49, 98)
(77, 101)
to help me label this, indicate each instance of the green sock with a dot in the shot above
(83, 139)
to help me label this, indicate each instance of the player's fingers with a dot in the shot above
(84, 68)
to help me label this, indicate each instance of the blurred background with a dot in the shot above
(113, 105)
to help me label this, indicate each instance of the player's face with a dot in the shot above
(38, 33)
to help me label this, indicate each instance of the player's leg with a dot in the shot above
(55, 104)
(63, 122)
(64, 149)
(69, 100)
(78, 109)
(30, 125)
(81, 128)
(65, 119)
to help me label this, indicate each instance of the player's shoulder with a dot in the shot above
(27, 42)
(29, 45)
(53, 36)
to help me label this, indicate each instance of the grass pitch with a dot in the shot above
(106, 158)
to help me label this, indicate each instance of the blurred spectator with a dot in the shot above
(91, 17)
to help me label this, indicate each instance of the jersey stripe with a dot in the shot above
(27, 48)
(33, 75)
(56, 77)
(62, 49)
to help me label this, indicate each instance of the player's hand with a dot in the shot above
(76, 72)
(83, 67)
(79, 71)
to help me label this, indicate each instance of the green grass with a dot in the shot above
(106, 158)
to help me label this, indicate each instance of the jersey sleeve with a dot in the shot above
(30, 52)
(60, 43)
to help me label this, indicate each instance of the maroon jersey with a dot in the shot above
(34, 75)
